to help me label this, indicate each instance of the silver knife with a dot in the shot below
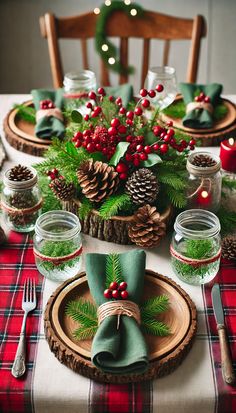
(226, 360)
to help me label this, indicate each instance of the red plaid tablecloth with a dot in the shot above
(16, 396)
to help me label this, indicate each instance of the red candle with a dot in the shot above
(204, 198)
(228, 154)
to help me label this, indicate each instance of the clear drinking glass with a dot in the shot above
(164, 75)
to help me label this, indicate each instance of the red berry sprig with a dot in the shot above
(202, 98)
(117, 291)
(46, 104)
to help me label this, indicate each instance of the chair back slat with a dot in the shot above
(145, 65)
(124, 58)
(84, 53)
(152, 25)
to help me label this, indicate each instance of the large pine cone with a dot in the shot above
(98, 180)
(142, 187)
(20, 173)
(229, 248)
(63, 190)
(147, 228)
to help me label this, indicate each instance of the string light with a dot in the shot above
(96, 10)
(108, 2)
(111, 61)
(127, 2)
(104, 47)
(133, 12)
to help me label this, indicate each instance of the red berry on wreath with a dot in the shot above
(124, 295)
(92, 95)
(107, 293)
(143, 93)
(128, 157)
(152, 93)
(123, 286)
(145, 103)
(164, 148)
(207, 99)
(113, 285)
(115, 294)
(138, 111)
(159, 88)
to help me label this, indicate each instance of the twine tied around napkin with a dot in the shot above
(199, 105)
(56, 112)
(119, 308)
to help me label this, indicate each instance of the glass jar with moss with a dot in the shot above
(21, 199)
(195, 248)
(57, 245)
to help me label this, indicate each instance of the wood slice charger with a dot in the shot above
(165, 353)
(20, 134)
(222, 129)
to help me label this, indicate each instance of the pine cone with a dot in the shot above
(229, 248)
(204, 161)
(20, 173)
(98, 180)
(62, 190)
(23, 200)
(142, 186)
(147, 228)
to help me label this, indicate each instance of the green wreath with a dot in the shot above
(105, 48)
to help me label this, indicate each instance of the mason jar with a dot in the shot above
(196, 248)
(21, 201)
(204, 183)
(78, 84)
(57, 245)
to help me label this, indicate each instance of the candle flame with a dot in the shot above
(204, 194)
(231, 141)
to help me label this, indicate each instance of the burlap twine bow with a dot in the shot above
(199, 105)
(55, 112)
(119, 308)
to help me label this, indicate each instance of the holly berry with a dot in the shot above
(207, 99)
(89, 105)
(123, 286)
(138, 111)
(147, 149)
(118, 101)
(159, 88)
(157, 130)
(164, 148)
(170, 132)
(169, 123)
(167, 138)
(92, 95)
(122, 129)
(156, 147)
(139, 148)
(111, 98)
(143, 93)
(107, 293)
(114, 285)
(115, 294)
(152, 93)
(115, 122)
(197, 99)
(101, 91)
(121, 167)
(86, 117)
(143, 156)
(192, 142)
(145, 103)
(202, 96)
(123, 176)
(122, 111)
(112, 131)
(90, 147)
(130, 114)
(124, 295)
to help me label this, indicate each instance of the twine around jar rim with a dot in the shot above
(203, 170)
(119, 308)
(192, 261)
(58, 260)
(21, 211)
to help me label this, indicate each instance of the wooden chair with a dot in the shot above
(153, 26)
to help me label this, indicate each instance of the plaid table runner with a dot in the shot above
(16, 396)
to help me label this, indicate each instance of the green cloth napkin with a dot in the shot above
(121, 351)
(124, 91)
(199, 118)
(48, 127)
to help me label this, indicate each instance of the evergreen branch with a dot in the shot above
(199, 249)
(26, 113)
(154, 305)
(113, 269)
(173, 180)
(155, 328)
(177, 198)
(83, 312)
(228, 183)
(85, 208)
(114, 204)
(85, 333)
(50, 202)
(227, 220)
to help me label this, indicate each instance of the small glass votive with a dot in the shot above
(57, 245)
(195, 248)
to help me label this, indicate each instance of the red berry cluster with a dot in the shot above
(202, 98)
(46, 104)
(167, 136)
(117, 291)
(54, 174)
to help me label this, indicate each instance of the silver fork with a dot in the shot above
(28, 304)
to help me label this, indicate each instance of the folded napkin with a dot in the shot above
(199, 118)
(48, 126)
(124, 91)
(123, 350)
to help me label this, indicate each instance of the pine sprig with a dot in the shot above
(155, 327)
(154, 305)
(227, 220)
(172, 179)
(113, 269)
(85, 333)
(177, 198)
(115, 204)
(26, 113)
(83, 312)
(85, 208)
(50, 202)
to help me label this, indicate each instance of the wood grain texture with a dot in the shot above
(111, 230)
(226, 358)
(152, 25)
(166, 353)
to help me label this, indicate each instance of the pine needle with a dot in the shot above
(85, 207)
(154, 305)
(177, 198)
(85, 333)
(115, 204)
(113, 269)
(172, 179)
(155, 328)
(83, 312)
(26, 113)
